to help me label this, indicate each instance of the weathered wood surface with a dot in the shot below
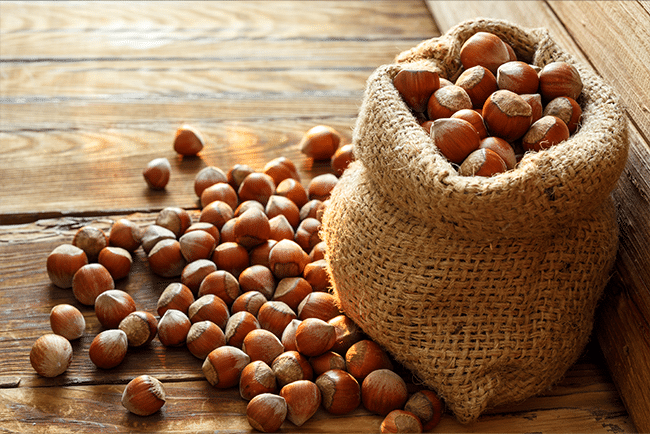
(90, 93)
(612, 37)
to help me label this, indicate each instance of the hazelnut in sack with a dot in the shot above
(484, 287)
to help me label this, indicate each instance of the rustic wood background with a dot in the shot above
(89, 93)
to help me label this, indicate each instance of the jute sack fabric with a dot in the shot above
(485, 288)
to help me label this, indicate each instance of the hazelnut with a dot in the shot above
(293, 190)
(318, 252)
(238, 326)
(315, 273)
(262, 345)
(308, 233)
(175, 219)
(206, 227)
(203, 337)
(156, 173)
(144, 395)
(567, 109)
(518, 77)
(303, 400)
(479, 83)
(383, 391)
(259, 255)
(280, 229)
(320, 142)
(188, 141)
(444, 82)
(320, 187)
(50, 355)
(222, 284)
(258, 278)
(507, 115)
(62, 264)
(482, 162)
(108, 349)
(153, 234)
(347, 333)
(288, 337)
(501, 147)
(426, 405)
(364, 357)
(446, 101)
(484, 49)
(314, 337)
(281, 168)
(206, 177)
(237, 173)
(318, 305)
(256, 186)
(455, 138)
(246, 205)
(474, 118)
(67, 321)
(341, 159)
(280, 205)
(250, 301)
(231, 257)
(90, 281)
(193, 274)
(173, 328)
(559, 79)
(140, 328)
(125, 234)
(220, 191)
(291, 366)
(266, 412)
(175, 296)
(166, 259)
(416, 87)
(545, 133)
(228, 231)
(91, 240)
(217, 213)
(223, 366)
(256, 378)
(112, 306)
(209, 307)
(327, 361)
(535, 102)
(312, 209)
(398, 421)
(274, 316)
(287, 258)
(292, 290)
(340, 391)
(117, 261)
(252, 228)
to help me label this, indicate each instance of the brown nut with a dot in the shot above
(166, 259)
(292, 290)
(535, 102)
(62, 264)
(479, 83)
(222, 284)
(474, 118)
(175, 219)
(175, 296)
(173, 328)
(383, 391)
(227, 233)
(90, 281)
(258, 278)
(223, 366)
(314, 337)
(193, 274)
(291, 366)
(188, 141)
(91, 240)
(237, 173)
(67, 321)
(246, 205)
(153, 234)
(364, 357)
(252, 228)
(262, 345)
(318, 305)
(341, 160)
(281, 168)
(280, 205)
(231, 257)
(327, 361)
(217, 213)
(238, 326)
(320, 187)
(220, 191)
(125, 234)
(288, 337)
(144, 395)
(559, 79)
(50, 355)
(281, 229)
(274, 316)
(116, 260)
(398, 421)
(340, 391)
(315, 273)
(256, 378)
(266, 412)
(518, 77)
(108, 349)
(256, 186)
(501, 147)
(156, 173)
(140, 328)
(293, 190)
(206, 177)
(287, 258)
(446, 101)
(545, 133)
(507, 115)
(566, 109)
(209, 307)
(308, 233)
(482, 162)
(485, 49)
(259, 255)
(455, 138)
(320, 142)
(203, 337)
(303, 400)
(416, 87)
(318, 252)
(347, 333)
(250, 301)
(206, 227)
(312, 209)
(112, 306)
(426, 405)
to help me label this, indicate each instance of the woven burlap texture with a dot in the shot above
(485, 288)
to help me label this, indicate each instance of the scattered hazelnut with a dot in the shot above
(108, 349)
(237, 173)
(308, 233)
(173, 328)
(303, 400)
(340, 391)
(206, 177)
(266, 412)
(535, 102)
(259, 255)
(347, 333)
(156, 173)
(252, 228)
(426, 405)
(140, 328)
(166, 259)
(90, 281)
(318, 305)
(250, 301)
(220, 191)
(288, 337)
(153, 234)
(50, 355)
(112, 306)
(175, 219)
(291, 366)
(283, 206)
(320, 142)
(222, 284)
(175, 296)
(262, 345)
(188, 141)
(327, 361)
(318, 252)
(416, 87)
(246, 205)
(144, 395)
(231, 257)
(203, 337)
(238, 326)
(341, 159)
(281, 168)
(315, 273)
(217, 213)
(258, 278)
(280, 229)
(314, 336)
(274, 316)
(292, 290)
(193, 274)
(364, 357)
(67, 321)
(209, 307)
(116, 260)
(287, 258)
(125, 234)
(293, 190)
(256, 378)
(91, 240)
(223, 366)
(312, 209)
(256, 186)
(545, 133)
(206, 227)
(398, 421)
(383, 391)
(320, 187)
(62, 264)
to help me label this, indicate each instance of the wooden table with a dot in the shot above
(91, 92)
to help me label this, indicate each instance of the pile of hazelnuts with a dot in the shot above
(497, 109)
(250, 297)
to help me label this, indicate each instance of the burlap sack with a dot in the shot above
(485, 288)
